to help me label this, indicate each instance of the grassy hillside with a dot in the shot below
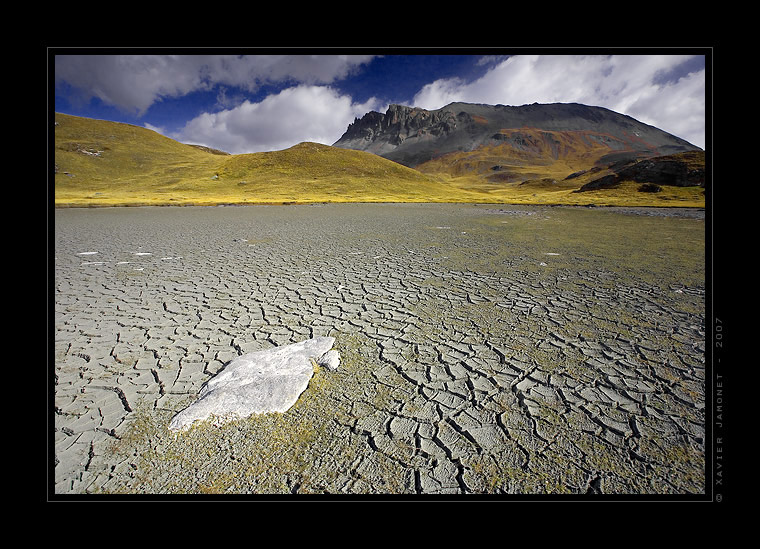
(320, 173)
(100, 163)
(531, 167)
(523, 154)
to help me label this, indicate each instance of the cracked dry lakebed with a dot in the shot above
(484, 349)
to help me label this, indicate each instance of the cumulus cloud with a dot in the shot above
(629, 84)
(156, 129)
(134, 82)
(130, 82)
(296, 114)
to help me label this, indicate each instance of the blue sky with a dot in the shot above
(252, 101)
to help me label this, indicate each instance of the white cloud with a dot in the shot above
(629, 84)
(134, 82)
(156, 129)
(678, 108)
(300, 113)
(130, 82)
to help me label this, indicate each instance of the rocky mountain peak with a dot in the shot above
(380, 133)
(411, 135)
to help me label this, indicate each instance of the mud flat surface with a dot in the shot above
(485, 349)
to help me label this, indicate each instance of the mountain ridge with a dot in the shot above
(414, 136)
(104, 163)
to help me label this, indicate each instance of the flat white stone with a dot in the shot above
(330, 360)
(256, 383)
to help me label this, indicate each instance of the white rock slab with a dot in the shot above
(256, 383)
(330, 360)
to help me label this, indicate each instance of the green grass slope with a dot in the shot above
(101, 163)
(311, 172)
(534, 167)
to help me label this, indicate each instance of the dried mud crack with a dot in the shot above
(484, 350)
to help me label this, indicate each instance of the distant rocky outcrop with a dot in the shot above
(680, 170)
(382, 134)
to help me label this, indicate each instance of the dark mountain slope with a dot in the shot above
(537, 133)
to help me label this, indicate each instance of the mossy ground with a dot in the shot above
(308, 449)
(321, 445)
